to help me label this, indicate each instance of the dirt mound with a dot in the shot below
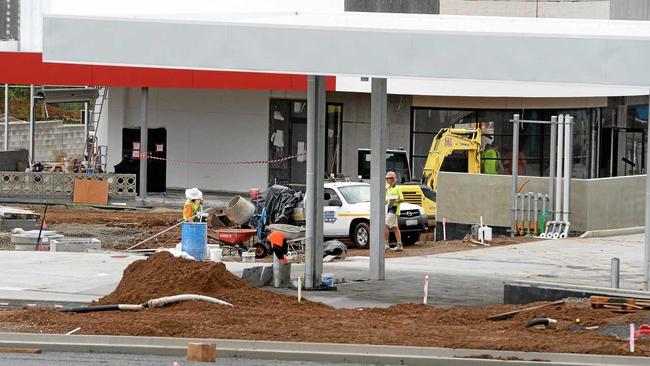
(162, 274)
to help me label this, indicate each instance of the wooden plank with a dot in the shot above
(20, 350)
(90, 192)
(510, 314)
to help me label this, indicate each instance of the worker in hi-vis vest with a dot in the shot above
(279, 245)
(193, 205)
(394, 197)
(491, 160)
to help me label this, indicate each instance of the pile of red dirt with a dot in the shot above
(162, 274)
(165, 275)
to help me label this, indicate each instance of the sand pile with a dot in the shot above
(162, 274)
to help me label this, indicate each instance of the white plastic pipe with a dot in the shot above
(531, 197)
(130, 307)
(558, 170)
(567, 166)
(185, 297)
(538, 198)
(523, 211)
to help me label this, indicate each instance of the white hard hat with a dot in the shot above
(193, 194)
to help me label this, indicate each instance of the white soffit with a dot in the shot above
(487, 88)
(492, 49)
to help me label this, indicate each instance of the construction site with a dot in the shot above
(326, 183)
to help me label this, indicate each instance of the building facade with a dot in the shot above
(209, 125)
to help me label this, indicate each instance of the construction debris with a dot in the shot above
(619, 304)
(510, 314)
(11, 218)
(33, 239)
(547, 323)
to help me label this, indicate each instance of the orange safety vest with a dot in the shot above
(190, 210)
(276, 238)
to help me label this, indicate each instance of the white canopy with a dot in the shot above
(562, 51)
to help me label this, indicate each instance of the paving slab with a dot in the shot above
(476, 277)
(462, 278)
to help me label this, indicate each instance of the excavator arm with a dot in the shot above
(444, 144)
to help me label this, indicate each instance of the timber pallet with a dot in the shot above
(619, 304)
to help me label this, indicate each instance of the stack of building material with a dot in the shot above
(29, 240)
(12, 217)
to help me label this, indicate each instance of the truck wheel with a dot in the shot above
(361, 235)
(410, 239)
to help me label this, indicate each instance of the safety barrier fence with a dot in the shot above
(56, 184)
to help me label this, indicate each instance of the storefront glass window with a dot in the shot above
(534, 139)
(288, 136)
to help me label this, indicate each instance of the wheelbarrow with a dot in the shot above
(234, 239)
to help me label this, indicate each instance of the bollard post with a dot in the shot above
(616, 265)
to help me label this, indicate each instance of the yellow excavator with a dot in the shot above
(452, 149)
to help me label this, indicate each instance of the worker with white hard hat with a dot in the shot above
(193, 205)
(394, 197)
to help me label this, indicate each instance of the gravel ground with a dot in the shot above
(5, 241)
(109, 236)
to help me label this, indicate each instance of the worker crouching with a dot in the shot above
(193, 205)
(279, 245)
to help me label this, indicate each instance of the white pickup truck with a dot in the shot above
(347, 214)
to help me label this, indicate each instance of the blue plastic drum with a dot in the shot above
(194, 239)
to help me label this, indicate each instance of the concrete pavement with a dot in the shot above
(461, 278)
(476, 277)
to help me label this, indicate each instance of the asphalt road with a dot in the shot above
(106, 359)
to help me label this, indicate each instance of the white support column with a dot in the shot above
(144, 129)
(378, 117)
(6, 117)
(551, 164)
(316, 105)
(646, 252)
(86, 129)
(568, 166)
(559, 171)
(32, 127)
(515, 174)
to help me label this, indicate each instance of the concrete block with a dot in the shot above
(75, 245)
(267, 276)
(9, 224)
(259, 276)
(525, 292)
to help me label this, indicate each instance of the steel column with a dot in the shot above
(568, 167)
(646, 252)
(515, 172)
(552, 162)
(32, 126)
(378, 118)
(615, 273)
(559, 171)
(6, 117)
(144, 129)
(86, 129)
(315, 169)
(600, 127)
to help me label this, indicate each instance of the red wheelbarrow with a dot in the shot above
(235, 239)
